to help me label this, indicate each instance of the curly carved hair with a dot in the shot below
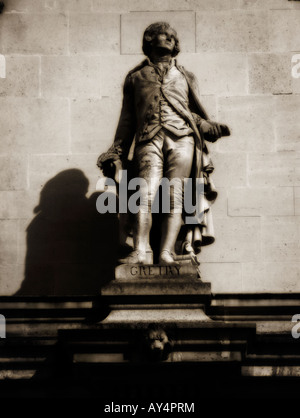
(153, 30)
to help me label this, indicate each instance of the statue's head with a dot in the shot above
(160, 34)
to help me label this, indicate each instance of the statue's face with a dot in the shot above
(164, 39)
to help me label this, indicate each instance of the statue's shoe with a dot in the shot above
(166, 258)
(137, 257)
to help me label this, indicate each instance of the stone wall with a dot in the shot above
(60, 101)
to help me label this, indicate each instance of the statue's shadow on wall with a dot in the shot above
(71, 248)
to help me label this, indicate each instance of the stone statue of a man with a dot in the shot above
(162, 111)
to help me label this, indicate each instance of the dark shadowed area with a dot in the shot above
(71, 248)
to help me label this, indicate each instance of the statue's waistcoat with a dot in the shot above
(174, 85)
(149, 86)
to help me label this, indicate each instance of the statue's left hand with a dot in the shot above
(210, 130)
(213, 130)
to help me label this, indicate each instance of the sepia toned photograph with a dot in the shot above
(149, 202)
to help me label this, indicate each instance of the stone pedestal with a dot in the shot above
(162, 294)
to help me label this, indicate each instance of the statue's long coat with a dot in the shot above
(141, 91)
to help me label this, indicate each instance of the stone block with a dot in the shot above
(296, 85)
(250, 120)
(284, 30)
(8, 241)
(280, 238)
(13, 172)
(269, 73)
(116, 6)
(22, 235)
(274, 169)
(295, 70)
(34, 34)
(220, 74)
(267, 4)
(47, 6)
(9, 279)
(114, 69)
(180, 317)
(215, 5)
(287, 123)
(137, 5)
(68, 5)
(21, 83)
(158, 5)
(17, 204)
(93, 124)
(94, 33)
(230, 169)
(156, 287)
(87, 164)
(219, 207)
(237, 240)
(70, 76)
(231, 31)
(33, 125)
(297, 200)
(210, 105)
(24, 6)
(182, 21)
(271, 277)
(224, 277)
(253, 201)
(43, 168)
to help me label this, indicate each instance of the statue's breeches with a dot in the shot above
(165, 156)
